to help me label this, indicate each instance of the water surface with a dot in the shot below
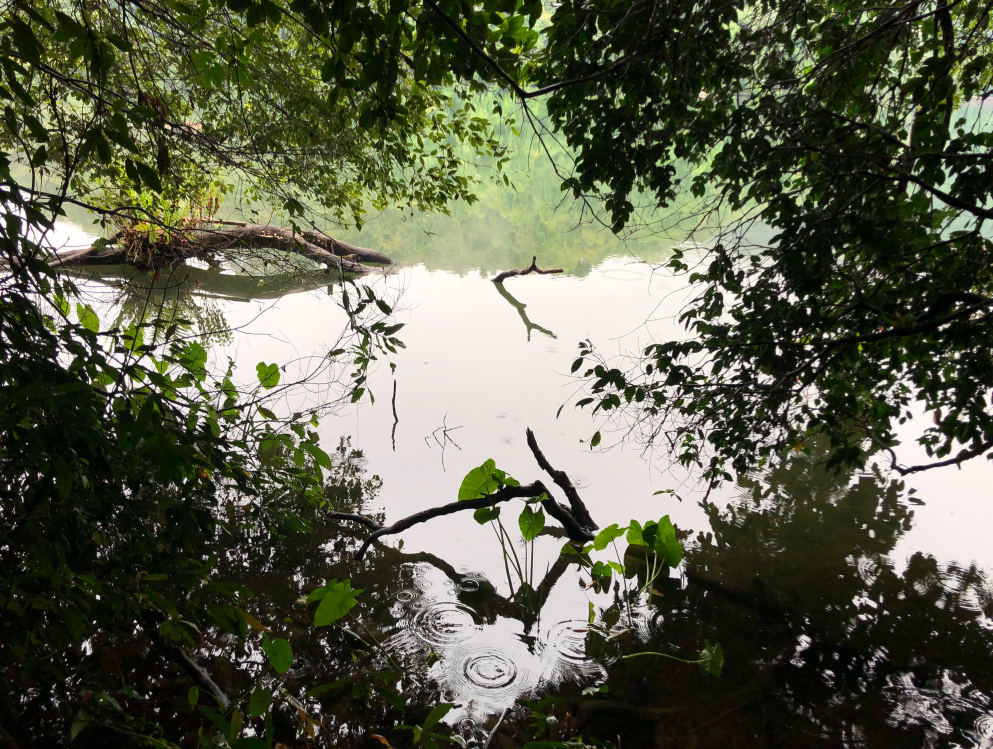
(854, 608)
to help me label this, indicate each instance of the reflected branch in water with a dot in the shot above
(396, 419)
(520, 306)
(446, 438)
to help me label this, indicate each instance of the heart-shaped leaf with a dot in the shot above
(338, 600)
(268, 375)
(279, 653)
(531, 522)
(478, 482)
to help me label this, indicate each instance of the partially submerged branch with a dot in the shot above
(564, 483)
(133, 248)
(577, 523)
(367, 522)
(533, 268)
(535, 489)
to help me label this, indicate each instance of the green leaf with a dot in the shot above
(268, 375)
(338, 600)
(148, 176)
(712, 658)
(478, 482)
(193, 696)
(439, 712)
(531, 522)
(666, 544)
(485, 514)
(607, 535)
(81, 721)
(335, 686)
(25, 40)
(88, 318)
(259, 702)
(595, 440)
(635, 534)
(279, 653)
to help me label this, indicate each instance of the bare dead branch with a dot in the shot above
(564, 483)
(533, 268)
(367, 522)
(573, 528)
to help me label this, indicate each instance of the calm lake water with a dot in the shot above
(854, 609)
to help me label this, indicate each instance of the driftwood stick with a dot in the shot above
(533, 268)
(367, 522)
(562, 480)
(396, 419)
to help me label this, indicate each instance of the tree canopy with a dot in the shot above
(848, 150)
(851, 136)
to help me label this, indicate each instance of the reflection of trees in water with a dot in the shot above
(193, 294)
(826, 644)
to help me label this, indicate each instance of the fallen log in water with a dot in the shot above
(533, 268)
(231, 239)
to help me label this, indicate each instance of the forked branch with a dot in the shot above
(577, 523)
(564, 483)
(533, 268)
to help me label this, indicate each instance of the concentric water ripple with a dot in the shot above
(868, 569)
(490, 670)
(491, 674)
(406, 596)
(622, 274)
(568, 640)
(566, 649)
(446, 623)
(648, 624)
(467, 727)
(982, 732)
